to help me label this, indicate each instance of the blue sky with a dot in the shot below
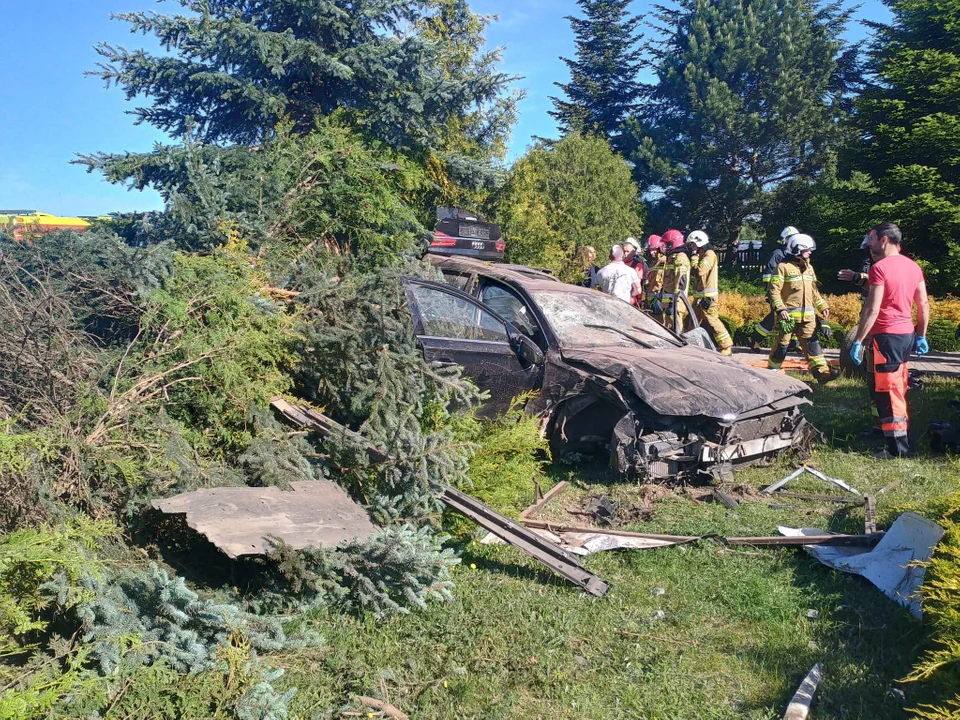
(51, 112)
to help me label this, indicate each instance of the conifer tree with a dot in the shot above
(603, 88)
(236, 67)
(747, 96)
(909, 132)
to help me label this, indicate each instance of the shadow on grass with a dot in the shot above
(841, 411)
(515, 571)
(865, 641)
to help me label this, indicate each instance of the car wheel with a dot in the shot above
(846, 364)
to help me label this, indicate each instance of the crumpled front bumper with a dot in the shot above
(706, 446)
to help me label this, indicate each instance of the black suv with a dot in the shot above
(460, 232)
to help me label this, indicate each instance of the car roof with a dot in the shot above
(530, 278)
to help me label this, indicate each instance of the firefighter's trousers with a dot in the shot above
(711, 318)
(668, 314)
(804, 330)
(764, 328)
(888, 386)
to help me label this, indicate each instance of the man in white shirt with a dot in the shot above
(618, 278)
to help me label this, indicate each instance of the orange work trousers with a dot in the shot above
(888, 386)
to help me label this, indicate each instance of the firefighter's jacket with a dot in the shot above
(794, 288)
(706, 282)
(776, 257)
(676, 274)
(655, 272)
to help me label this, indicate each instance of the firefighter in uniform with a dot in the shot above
(765, 326)
(794, 296)
(859, 276)
(654, 283)
(706, 288)
(676, 279)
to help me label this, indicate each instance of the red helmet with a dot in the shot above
(672, 240)
(654, 242)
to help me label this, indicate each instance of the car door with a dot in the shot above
(455, 329)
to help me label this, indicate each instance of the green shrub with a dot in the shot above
(745, 333)
(730, 324)
(940, 666)
(941, 335)
(748, 283)
(838, 333)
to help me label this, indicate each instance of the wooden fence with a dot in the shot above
(749, 258)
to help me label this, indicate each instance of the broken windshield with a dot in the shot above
(594, 319)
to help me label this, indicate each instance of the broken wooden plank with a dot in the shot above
(537, 547)
(825, 539)
(725, 498)
(799, 707)
(539, 504)
(239, 519)
(889, 487)
(327, 427)
(390, 711)
(869, 514)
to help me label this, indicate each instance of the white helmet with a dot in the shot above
(787, 233)
(632, 241)
(799, 243)
(698, 238)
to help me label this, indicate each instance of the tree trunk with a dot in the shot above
(733, 242)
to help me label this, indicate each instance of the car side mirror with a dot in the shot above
(525, 348)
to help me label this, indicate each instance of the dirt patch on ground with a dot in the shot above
(603, 511)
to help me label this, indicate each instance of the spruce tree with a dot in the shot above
(909, 132)
(236, 67)
(603, 88)
(747, 96)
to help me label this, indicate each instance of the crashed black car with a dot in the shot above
(605, 374)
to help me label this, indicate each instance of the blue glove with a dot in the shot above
(856, 353)
(922, 347)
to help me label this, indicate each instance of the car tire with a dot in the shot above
(847, 368)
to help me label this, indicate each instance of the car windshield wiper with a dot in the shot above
(627, 335)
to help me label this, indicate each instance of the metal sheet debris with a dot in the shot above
(812, 471)
(799, 706)
(238, 519)
(895, 565)
(536, 546)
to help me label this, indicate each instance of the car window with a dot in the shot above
(461, 281)
(512, 308)
(449, 316)
(593, 319)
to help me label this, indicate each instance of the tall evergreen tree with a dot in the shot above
(603, 88)
(747, 96)
(235, 67)
(909, 131)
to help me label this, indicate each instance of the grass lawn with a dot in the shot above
(699, 631)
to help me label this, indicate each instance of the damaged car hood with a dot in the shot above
(688, 381)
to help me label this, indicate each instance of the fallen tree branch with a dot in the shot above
(383, 706)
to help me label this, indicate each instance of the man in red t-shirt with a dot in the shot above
(895, 284)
